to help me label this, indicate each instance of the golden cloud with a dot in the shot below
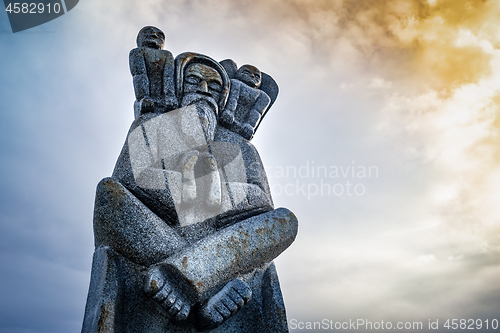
(419, 39)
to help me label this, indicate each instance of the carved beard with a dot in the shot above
(207, 109)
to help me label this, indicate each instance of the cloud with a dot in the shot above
(405, 39)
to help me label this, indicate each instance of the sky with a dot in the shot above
(383, 141)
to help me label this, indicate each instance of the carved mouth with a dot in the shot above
(193, 98)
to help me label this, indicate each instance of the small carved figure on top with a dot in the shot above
(240, 107)
(153, 72)
(246, 103)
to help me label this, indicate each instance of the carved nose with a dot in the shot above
(203, 86)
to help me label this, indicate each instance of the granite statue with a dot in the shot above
(153, 71)
(185, 228)
(249, 99)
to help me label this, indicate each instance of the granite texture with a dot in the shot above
(252, 95)
(185, 228)
(153, 73)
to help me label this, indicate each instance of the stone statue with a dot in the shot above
(246, 102)
(252, 95)
(153, 72)
(185, 229)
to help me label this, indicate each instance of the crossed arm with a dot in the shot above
(195, 270)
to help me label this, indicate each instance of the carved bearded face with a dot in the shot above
(249, 75)
(203, 80)
(151, 37)
(202, 87)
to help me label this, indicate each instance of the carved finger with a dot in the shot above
(242, 289)
(175, 308)
(229, 303)
(170, 300)
(183, 313)
(209, 317)
(162, 294)
(154, 281)
(222, 309)
(215, 318)
(236, 298)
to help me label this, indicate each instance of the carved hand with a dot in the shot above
(224, 304)
(165, 294)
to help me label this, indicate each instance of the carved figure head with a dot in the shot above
(202, 80)
(202, 87)
(249, 75)
(201, 77)
(151, 37)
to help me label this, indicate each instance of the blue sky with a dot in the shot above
(421, 241)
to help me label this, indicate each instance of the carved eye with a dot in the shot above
(191, 79)
(215, 86)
